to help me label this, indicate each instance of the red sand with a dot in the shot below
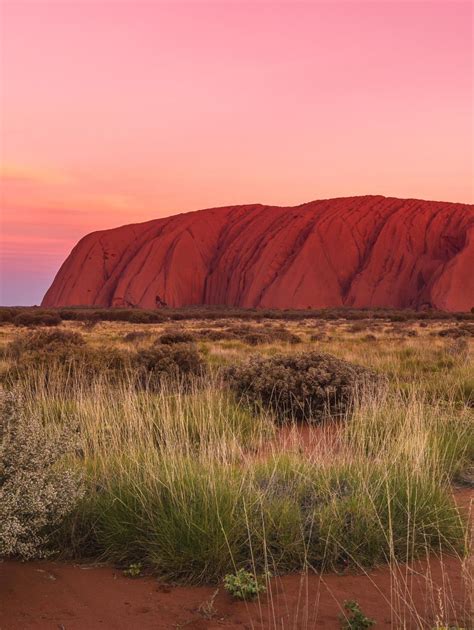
(75, 597)
(72, 597)
(355, 251)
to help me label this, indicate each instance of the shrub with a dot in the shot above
(88, 315)
(66, 356)
(251, 335)
(176, 336)
(318, 336)
(300, 386)
(354, 619)
(357, 327)
(45, 340)
(243, 585)
(37, 318)
(209, 334)
(78, 362)
(36, 493)
(132, 315)
(134, 570)
(270, 335)
(466, 330)
(370, 337)
(7, 314)
(162, 362)
(139, 317)
(136, 335)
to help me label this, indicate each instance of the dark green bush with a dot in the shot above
(304, 386)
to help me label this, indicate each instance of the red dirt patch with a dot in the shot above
(73, 597)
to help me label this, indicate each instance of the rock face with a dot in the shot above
(358, 251)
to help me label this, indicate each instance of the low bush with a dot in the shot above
(34, 317)
(136, 335)
(163, 362)
(244, 585)
(319, 336)
(176, 336)
(132, 315)
(45, 340)
(7, 314)
(70, 362)
(134, 570)
(52, 354)
(304, 386)
(464, 330)
(251, 335)
(209, 334)
(358, 327)
(36, 492)
(354, 618)
(270, 335)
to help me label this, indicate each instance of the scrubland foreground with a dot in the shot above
(330, 459)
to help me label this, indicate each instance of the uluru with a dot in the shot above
(359, 252)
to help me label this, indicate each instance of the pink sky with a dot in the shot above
(115, 112)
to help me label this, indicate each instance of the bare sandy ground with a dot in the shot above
(54, 595)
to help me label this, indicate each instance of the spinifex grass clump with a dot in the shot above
(305, 386)
(174, 483)
(406, 426)
(36, 491)
(195, 519)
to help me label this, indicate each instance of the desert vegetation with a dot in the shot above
(213, 451)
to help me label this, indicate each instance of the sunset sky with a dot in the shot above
(115, 112)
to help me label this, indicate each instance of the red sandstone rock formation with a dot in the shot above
(359, 252)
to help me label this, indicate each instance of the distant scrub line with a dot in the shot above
(31, 316)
